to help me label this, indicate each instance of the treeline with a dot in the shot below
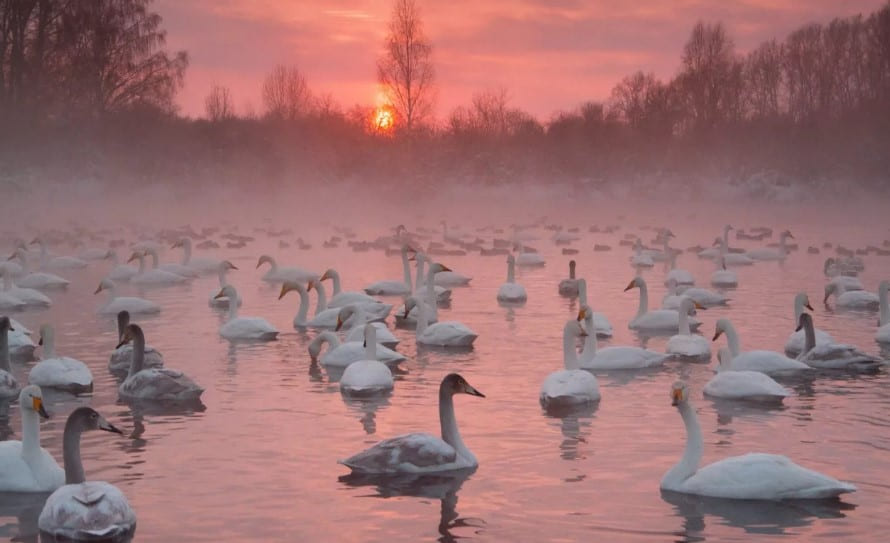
(88, 90)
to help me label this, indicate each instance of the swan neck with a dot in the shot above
(884, 305)
(335, 278)
(186, 253)
(569, 355)
(798, 309)
(684, 320)
(582, 291)
(422, 319)
(4, 351)
(154, 259)
(322, 298)
(49, 344)
(450, 433)
(7, 278)
(406, 269)
(732, 339)
(511, 271)
(688, 464)
(421, 268)
(590, 341)
(233, 304)
(303, 311)
(141, 264)
(138, 360)
(370, 343)
(810, 333)
(431, 292)
(644, 300)
(571, 272)
(71, 452)
(221, 274)
(30, 432)
(112, 292)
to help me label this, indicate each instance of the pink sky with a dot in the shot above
(551, 55)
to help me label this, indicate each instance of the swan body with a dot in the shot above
(244, 328)
(85, 510)
(753, 476)
(852, 299)
(832, 355)
(120, 272)
(704, 297)
(443, 294)
(368, 376)
(153, 276)
(353, 318)
(882, 335)
(685, 345)
(200, 265)
(724, 279)
(20, 343)
(24, 465)
(569, 286)
(341, 355)
(340, 298)
(796, 341)
(60, 372)
(280, 275)
(451, 279)
(659, 320)
(511, 291)
(10, 302)
(326, 317)
(130, 304)
(570, 386)
(392, 287)
(57, 262)
(20, 297)
(39, 279)
(9, 387)
(122, 356)
(529, 260)
(769, 253)
(742, 385)
(153, 383)
(845, 282)
(422, 453)
(615, 357)
(758, 360)
(440, 333)
(680, 277)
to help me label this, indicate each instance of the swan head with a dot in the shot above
(36, 241)
(437, 267)
(455, 384)
(728, 227)
(105, 284)
(288, 286)
(804, 300)
(265, 259)
(31, 398)
(6, 325)
(410, 302)
(131, 332)
(806, 321)
(679, 393)
(229, 292)
(46, 334)
(87, 418)
(572, 265)
(883, 287)
(786, 234)
(573, 327)
(370, 334)
(136, 256)
(830, 289)
(689, 306)
(182, 242)
(512, 259)
(225, 265)
(635, 283)
(722, 326)
(110, 254)
(343, 316)
(328, 274)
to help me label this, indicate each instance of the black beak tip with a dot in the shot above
(43, 413)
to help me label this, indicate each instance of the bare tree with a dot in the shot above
(711, 76)
(406, 71)
(218, 105)
(763, 80)
(286, 94)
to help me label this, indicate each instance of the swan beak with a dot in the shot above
(284, 290)
(124, 340)
(790, 236)
(446, 268)
(630, 285)
(98, 290)
(808, 306)
(108, 427)
(825, 301)
(582, 314)
(222, 294)
(698, 305)
(12, 256)
(676, 396)
(34, 241)
(339, 325)
(717, 334)
(472, 391)
(799, 327)
(37, 404)
(324, 276)
(175, 245)
(232, 266)
(40, 341)
(133, 257)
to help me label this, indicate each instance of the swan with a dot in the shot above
(686, 345)
(528, 260)
(25, 466)
(392, 287)
(678, 276)
(9, 302)
(354, 319)
(201, 265)
(733, 259)
(250, 328)
(422, 453)
(131, 304)
(617, 357)
(703, 297)
(9, 387)
(852, 299)
(742, 385)
(641, 259)
(340, 298)
(511, 291)
(120, 272)
(440, 333)
(720, 243)
(769, 253)
(844, 267)
(340, 355)
(60, 372)
(122, 356)
(723, 278)
(795, 343)
(28, 296)
(222, 269)
(832, 355)
(82, 510)
(443, 295)
(153, 276)
(754, 476)
(570, 386)
(278, 275)
(600, 322)
(659, 320)
(882, 335)
(326, 317)
(569, 287)
(758, 360)
(57, 262)
(368, 376)
(42, 280)
(153, 383)
(172, 267)
(300, 319)
(20, 343)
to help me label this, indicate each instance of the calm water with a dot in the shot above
(259, 462)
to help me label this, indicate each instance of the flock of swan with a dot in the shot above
(353, 343)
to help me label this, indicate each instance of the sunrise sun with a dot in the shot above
(383, 119)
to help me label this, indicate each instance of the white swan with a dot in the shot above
(120, 272)
(658, 320)
(301, 318)
(440, 333)
(28, 296)
(249, 328)
(616, 357)
(392, 287)
(570, 386)
(340, 355)
(340, 298)
(154, 384)
(569, 286)
(686, 345)
(719, 243)
(9, 387)
(769, 253)
(222, 269)
(122, 356)
(279, 275)
(85, 510)
(882, 335)
(527, 259)
(758, 360)
(57, 262)
(732, 259)
(60, 372)
(326, 317)
(600, 322)
(852, 299)
(832, 355)
(422, 453)
(172, 267)
(754, 476)
(742, 385)
(641, 259)
(153, 276)
(20, 343)
(131, 304)
(201, 265)
(25, 466)
(443, 294)
(511, 291)
(796, 341)
(677, 276)
(39, 279)
(723, 278)
(8, 302)
(368, 376)
(353, 318)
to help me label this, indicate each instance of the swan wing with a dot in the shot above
(86, 511)
(409, 453)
